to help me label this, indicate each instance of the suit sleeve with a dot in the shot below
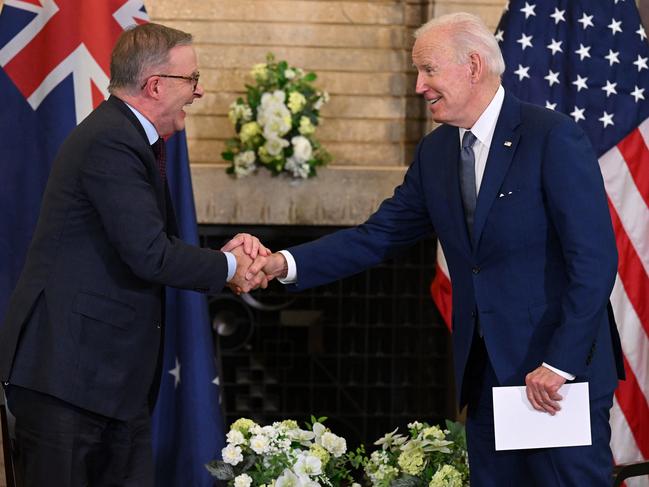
(577, 204)
(115, 180)
(399, 222)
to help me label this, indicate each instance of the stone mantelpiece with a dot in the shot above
(337, 196)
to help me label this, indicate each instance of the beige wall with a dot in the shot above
(361, 53)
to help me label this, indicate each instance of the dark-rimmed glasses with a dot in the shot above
(193, 78)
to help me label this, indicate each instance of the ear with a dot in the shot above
(476, 66)
(152, 87)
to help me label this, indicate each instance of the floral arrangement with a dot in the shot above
(276, 123)
(284, 455)
(427, 457)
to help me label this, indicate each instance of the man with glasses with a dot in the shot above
(80, 347)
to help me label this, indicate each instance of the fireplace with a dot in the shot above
(369, 352)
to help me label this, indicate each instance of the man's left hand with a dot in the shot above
(542, 389)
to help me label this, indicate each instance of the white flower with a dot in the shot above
(289, 73)
(318, 429)
(259, 444)
(238, 112)
(296, 168)
(275, 145)
(335, 445)
(244, 164)
(301, 436)
(308, 465)
(277, 97)
(243, 480)
(302, 150)
(324, 98)
(288, 479)
(235, 437)
(232, 454)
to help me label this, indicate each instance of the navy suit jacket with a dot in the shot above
(540, 270)
(84, 323)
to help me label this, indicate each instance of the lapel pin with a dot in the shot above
(508, 143)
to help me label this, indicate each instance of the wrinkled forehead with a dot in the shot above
(431, 48)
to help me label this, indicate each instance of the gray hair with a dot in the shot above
(139, 50)
(468, 34)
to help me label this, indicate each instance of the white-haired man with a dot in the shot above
(515, 195)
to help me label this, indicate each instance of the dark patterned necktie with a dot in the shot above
(467, 179)
(159, 149)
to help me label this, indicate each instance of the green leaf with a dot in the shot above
(227, 155)
(220, 470)
(309, 77)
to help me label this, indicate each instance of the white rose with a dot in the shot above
(235, 437)
(259, 444)
(289, 73)
(232, 454)
(276, 97)
(335, 445)
(302, 150)
(275, 145)
(243, 480)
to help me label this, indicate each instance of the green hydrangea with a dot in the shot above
(412, 461)
(243, 425)
(446, 476)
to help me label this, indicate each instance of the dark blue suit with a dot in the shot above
(539, 272)
(81, 340)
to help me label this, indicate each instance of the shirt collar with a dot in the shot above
(485, 126)
(149, 129)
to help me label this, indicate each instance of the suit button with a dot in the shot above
(473, 313)
(476, 270)
(157, 324)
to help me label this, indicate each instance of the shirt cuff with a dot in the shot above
(291, 274)
(563, 374)
(232, 265)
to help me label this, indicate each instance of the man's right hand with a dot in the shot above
(245, 279)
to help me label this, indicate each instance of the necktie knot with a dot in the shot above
(468, 139)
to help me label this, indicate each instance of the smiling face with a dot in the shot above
(174, 93)
(448, 85)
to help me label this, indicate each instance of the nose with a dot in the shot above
(420, 86)
(199, 91)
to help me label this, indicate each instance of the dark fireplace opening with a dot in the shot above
(370, 352)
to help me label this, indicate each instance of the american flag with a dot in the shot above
(590, 60)
(54, 70)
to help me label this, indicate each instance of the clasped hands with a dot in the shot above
(256, 264)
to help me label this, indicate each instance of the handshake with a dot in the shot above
(256, 264)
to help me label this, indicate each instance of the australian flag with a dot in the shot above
(54, 60)
(590, 60)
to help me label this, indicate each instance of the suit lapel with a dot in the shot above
(152, 168)
(501, 153)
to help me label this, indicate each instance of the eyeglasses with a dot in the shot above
(193, 78)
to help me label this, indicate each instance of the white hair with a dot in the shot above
(468, 34)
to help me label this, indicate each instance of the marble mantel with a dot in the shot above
(337, 196)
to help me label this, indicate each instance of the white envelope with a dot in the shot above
(518, 425)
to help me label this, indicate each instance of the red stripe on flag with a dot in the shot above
(635, 408)
(635, 154)
(440, 289)
(634, 278)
